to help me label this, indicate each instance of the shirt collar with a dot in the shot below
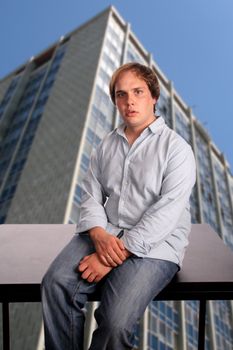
(120, 129)
(156, 127)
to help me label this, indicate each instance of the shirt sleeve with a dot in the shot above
(162, 217)
(92, 212)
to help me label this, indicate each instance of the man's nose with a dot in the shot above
(130, 99)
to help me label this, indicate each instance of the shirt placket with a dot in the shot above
(123, 194)
(129, 154)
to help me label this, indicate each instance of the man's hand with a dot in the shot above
(110, 249)
(93, 270)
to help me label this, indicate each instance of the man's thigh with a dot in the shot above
(68, 259)
(62, 273)
(129, 288)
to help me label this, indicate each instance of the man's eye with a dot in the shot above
(120, 94)
(138, 92)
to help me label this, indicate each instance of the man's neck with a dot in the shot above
(132, 133)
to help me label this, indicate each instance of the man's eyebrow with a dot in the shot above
(119, 91)
(138, 87)
(135, 88)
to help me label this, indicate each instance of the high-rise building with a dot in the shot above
(54, 110)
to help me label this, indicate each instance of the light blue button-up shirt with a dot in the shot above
(144, 189)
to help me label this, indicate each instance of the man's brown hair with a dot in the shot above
(143, 72)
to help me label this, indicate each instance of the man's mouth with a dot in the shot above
(131, 113)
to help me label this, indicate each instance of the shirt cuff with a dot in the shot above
(135, 244)
(87, 225)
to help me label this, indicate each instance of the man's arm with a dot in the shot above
(162, 217)
(92, 212)
(110, 249)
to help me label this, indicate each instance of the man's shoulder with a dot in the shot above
(109, 137)
(174, 143)
(174, 136)
(107, 140)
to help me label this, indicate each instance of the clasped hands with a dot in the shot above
(110, 252)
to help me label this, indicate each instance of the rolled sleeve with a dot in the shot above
(92, 212)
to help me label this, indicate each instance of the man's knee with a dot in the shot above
(114, 320)
(112, 335)
(47, 282)
(52, 280)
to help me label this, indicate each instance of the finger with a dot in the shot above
(84, 258)
(97, 279)
(119, 248)
(86, 274)
(112, 259)
(121, 255)
(120, 244)
(104, 260)
(107, 260)
(111, 262)
(117, 256)
(82, 267)
(91, 278)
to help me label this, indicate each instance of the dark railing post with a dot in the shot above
(5, 326)
(201, 328)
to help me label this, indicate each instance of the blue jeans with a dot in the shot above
(125, 293)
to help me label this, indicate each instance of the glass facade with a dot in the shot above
(208, 199)
(183, 128)
(223, 325)
(182, 124)
(9, 93)
(163, 107)
(20, 133)
(191, 316)
(163, 325)
(224, 201)
(133, 54)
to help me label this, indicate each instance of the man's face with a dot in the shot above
(134, 101)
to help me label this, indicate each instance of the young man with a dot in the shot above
(133, 227)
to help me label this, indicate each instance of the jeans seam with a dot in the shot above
(71, 314)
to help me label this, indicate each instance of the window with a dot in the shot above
(85, 162)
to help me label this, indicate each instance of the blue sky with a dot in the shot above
(191, 41)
